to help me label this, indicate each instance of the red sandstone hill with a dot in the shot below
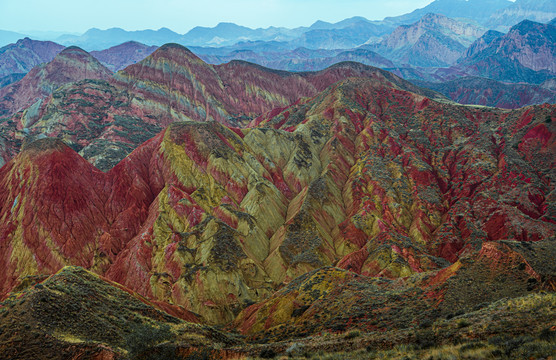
(351, 199)
(364, 176)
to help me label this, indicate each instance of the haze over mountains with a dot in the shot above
(363, 189)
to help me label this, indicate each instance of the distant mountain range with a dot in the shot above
(349, 33)
(535, 10)
(435, 49)
(26, 54)
(479, 11)
(488, 92)
(434, 40)
(301, 59)
(527, 53)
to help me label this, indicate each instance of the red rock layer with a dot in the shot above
(364, 175)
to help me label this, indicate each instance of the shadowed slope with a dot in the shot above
(77, 314)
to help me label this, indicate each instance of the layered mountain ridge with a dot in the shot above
(106, 120)
(71, 64)
(186, 210)
(214, 218)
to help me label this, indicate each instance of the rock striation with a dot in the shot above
(365, 175)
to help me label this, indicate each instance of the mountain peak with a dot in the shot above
(173, 51)
(44, 145)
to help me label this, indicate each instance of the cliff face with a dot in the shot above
(525, 54)
(435, 40)
(364, 175)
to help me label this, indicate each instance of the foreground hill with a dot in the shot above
(77, 314)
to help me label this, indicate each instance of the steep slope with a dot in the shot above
(104, 121)
(121, 56)
(365, 175)
(25, 54)
(75, 314)
(482, 43)
(481, 91)
(525, 54)
(70, 65)
(434, 40)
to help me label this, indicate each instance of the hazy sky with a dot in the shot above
(182, 15)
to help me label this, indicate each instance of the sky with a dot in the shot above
(77, 16)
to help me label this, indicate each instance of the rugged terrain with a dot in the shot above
(72, 64)
(488, 92)
(206, 207)
(433, 41)
(105, 120)
(525, 54)
(355, 194)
